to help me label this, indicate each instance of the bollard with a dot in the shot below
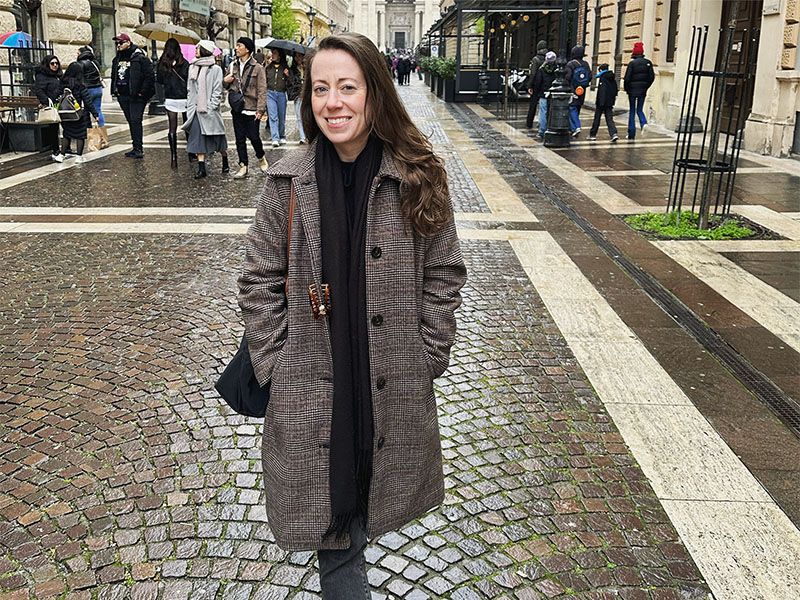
(558, 98)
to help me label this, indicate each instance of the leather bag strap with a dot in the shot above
(292, 201)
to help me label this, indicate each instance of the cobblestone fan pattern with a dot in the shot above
(124, 476)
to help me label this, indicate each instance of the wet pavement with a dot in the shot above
(125, 476)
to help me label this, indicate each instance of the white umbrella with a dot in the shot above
(262, 42)
(161, 32)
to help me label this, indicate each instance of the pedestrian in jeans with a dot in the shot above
(277, 80)
(578, 76)
(245, 75)
(93, 81)
(351, 447)
(639, 76)
(542, 81)
(536, 62)
(132, 84)
(604, 103)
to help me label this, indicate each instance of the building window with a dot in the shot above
(619, 44)
(672, 30)
(103, 30)
(28, 17)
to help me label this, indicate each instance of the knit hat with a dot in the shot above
(638, 49)
(550, 57)
(207, 45)
(603, 67)
(247, 43)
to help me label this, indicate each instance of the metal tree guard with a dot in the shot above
(715, 161)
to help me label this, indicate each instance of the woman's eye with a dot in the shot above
(349, 89)
(319, 90)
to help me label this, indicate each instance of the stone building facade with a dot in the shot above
(665, 27)
(394, 23)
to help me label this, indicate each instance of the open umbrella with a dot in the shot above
(287, 45)
(263, 42)
(16, 39)
(188, 51)
(161, 32)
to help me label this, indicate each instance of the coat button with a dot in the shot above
(377, 320)
(381, 383)
(381, 442)
(376, 252)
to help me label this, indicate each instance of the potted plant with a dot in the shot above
(447, 71)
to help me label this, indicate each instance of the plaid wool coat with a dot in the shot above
(414, 284)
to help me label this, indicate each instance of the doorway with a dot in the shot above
(748, 25)
(400, 39)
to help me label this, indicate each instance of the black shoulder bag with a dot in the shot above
(238, 385)
(236, 98)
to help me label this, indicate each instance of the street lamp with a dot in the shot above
(311, 14)
(331, 25)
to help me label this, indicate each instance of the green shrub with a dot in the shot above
(685, 226)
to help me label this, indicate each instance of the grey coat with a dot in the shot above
(414, 282)
(211, 120)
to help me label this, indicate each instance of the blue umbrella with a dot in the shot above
(16, 39)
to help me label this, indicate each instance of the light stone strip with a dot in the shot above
(780, 223)
(70, 163)
(751, 245)
(743, 543)
(631, 173)
(601, 193)
(129, 211)
(772, 309)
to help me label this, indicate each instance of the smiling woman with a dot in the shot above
(351, 317)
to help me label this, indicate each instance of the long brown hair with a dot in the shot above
(424, 197)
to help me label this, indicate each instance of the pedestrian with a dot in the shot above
(578, 75)
(48, 88)
(405, 65)
(352, 412)
(78, 94)
(542, 81)
(293, 92)
(277, 79)
(132, 84)
(536, 62)
(204, 125)
(604, 102)
(173, 74)
(93, 80)
(639, 76)
(247, 77)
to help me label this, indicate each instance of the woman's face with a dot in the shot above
(197, 51)
(54, 65)
(339, 101)
(275, 55)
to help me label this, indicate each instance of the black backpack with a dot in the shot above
(148, 77)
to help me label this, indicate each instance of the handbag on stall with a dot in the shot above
(48, 114)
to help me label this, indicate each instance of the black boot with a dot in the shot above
(226, 168)
(173, 149)
(201, 170)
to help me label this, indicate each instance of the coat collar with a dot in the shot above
(300, 165)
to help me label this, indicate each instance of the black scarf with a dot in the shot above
(343, 197)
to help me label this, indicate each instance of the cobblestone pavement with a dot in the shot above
(124, 476)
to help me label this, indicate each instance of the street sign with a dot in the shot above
(199, 7)
(434, 49)
(265, 9)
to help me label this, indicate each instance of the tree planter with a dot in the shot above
(427, 78)
(449, 90)
(439, 87)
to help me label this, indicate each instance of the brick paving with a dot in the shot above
(124, 476)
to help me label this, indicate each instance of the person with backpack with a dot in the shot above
(639, 76)
(604, 103)
(173, 74)
(132, 84)
(542, 81)
(578, 75)
(246, 83)
(47, 88)
(536, 62)
(93, 80)
(75, 108)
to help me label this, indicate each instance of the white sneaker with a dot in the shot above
(576, 133)
(283, 141)
(59, 158)
(241, 173)
(645, 130)
(263, 164)
(275, 143)
(79, 159)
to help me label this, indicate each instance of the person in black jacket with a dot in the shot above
(542, 81)
(93, 80)
(76, 130)
(173, 73)
(576, 70)
(48, 88)
(133, 84)
(536, 62)
(604, 103)
(639, 76)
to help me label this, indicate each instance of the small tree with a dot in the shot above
(284, 25)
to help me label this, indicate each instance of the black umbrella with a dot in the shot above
(288, 45)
